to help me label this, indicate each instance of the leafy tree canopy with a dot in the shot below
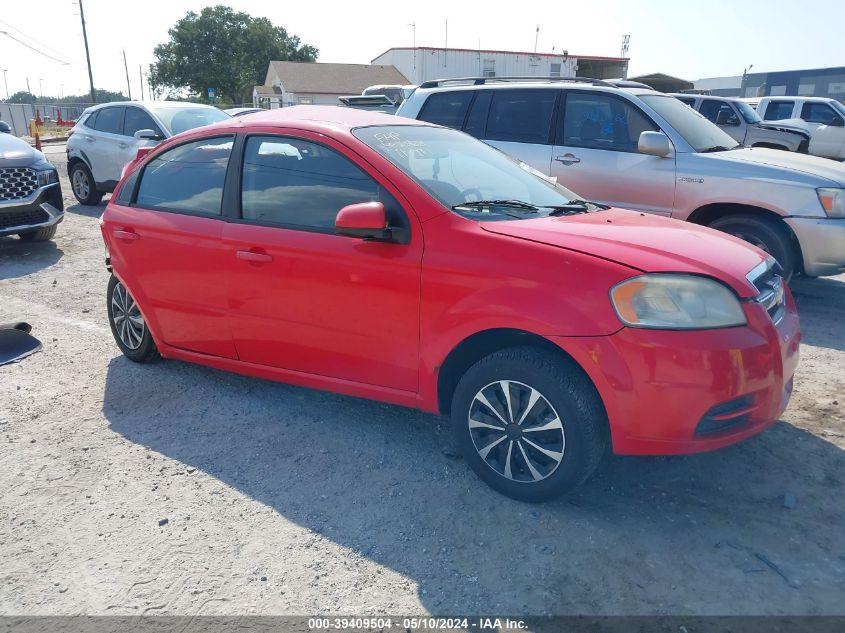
(223, 49)
(103, 96)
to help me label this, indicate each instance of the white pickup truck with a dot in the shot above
(824, 117)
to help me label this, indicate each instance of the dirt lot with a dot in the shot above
(176, 489)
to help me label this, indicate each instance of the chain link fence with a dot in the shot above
(18, 115)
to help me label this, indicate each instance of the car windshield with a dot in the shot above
(839, 107)
(468, 176)
(748, 113)
(182, 119)
(700, 133)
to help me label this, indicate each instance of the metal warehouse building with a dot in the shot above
(815, 82)
(425, 63)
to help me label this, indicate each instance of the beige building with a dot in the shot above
(293, 83)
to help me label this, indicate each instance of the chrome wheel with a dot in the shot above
(516, 431)
(127, 318)
(81, 185)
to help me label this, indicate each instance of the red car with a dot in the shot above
(396, 260)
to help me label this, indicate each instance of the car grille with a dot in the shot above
(23, 218)
(17, 183)
(772, 296)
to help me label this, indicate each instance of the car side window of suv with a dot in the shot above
(109, 120)
(298, 184)
(602, 121)
(711, 109)
(523, 116)
(777, 110)
(136, 119)
(818, 113)
(446, 108)
(187, 179)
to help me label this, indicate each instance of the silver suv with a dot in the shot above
(108, 136)
(640, 149)
(742, 123)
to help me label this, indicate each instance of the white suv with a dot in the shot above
(824, 117)
(640, 149)
(108, 136)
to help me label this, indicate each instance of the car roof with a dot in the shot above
(320, 116)
(151, 105)
(517, 83)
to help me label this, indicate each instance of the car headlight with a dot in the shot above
(47, 177)
(832, 201)
(675, 302)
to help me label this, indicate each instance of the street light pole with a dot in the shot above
(6, 81)
(742, 83)
(87, 54)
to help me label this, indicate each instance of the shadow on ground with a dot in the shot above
(19, 258)
(89, 211)
(659, 535)
(821, 305)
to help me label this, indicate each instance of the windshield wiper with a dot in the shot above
(507, 204)
(716, 148)
(575, 206)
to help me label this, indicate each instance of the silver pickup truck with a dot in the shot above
(640, 149)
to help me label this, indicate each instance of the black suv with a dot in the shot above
(30, 194)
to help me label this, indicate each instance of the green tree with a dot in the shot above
(225, 50)
(22, 97)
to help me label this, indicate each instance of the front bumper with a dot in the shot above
(822, 243)
(43, 207)
(674, 392)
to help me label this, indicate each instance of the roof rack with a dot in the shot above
(481, 81)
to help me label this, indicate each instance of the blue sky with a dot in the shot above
(686, 38)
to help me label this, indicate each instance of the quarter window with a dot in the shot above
(600, 121)
(818, 113)
(523, 116)
(300, 184)
(778, 110)
(136, 119)
(446, 108)
(109, 120)
(188, 178)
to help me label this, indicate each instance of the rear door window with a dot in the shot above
(818, 113)
(188, 178)
(523, 116)
(446, 108)
(602, 121)
(109, 120)
(777, 110)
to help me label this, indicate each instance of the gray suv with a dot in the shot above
(643, 150)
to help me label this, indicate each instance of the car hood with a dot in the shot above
(822, 172)
(14, 152)
(788, 125)
(646, 243)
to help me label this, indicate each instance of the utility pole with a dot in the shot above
(6, 81)
(413, 25)
(536, 37)
(28, 89)
(126, 70)
(87, 53)
(141, 79)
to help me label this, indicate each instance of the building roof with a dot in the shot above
(483, 50)
(268, 91)
(324, 78)
(663, 82)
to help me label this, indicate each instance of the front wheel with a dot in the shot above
(529, 423)
(83, 185)
(128, 327)
(768, 235)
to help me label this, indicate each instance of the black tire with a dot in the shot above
(83, 186)
(39, 235)
(567, 394)
(769, 235)
(142, 348)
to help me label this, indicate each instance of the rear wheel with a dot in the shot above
(768, 235)
(39, 235)
(128, 327)
(83, 185)
(529, 423)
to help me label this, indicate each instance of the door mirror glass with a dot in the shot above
(367, 220)
(654, 144)
(147, 135)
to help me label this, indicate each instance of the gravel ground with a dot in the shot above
(177, 489)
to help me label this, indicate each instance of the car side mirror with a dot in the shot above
(837, 121)
(654, 144)
(147, 135)
(726, 118)
(367, 220)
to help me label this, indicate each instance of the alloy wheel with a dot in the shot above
(516, 431)
(127, 317)
(81, 186)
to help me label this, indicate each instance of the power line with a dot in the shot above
(32, 48)
(41, 44)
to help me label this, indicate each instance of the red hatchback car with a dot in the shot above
(392, 259)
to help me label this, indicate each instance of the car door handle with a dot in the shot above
(90, 139)
(124, 145)
(252, 256)
(568, 159)
(130, 236)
